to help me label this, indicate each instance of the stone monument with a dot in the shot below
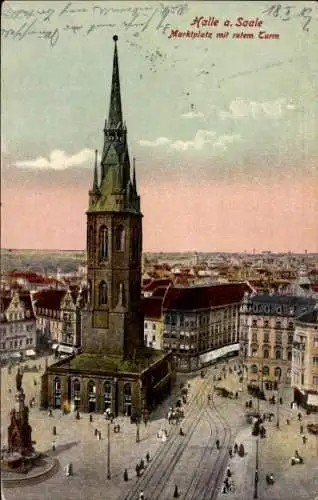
(19, 430)
(20, 451)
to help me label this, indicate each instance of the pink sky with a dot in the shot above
(216, 217)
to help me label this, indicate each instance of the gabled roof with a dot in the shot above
(152, 307)
(49, 299)
(24, 297)
(204, 297)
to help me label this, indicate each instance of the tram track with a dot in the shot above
(164, 462)
(203, 483)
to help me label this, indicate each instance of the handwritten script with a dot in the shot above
(288, 12)
(51, 24)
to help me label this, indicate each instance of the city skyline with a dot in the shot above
(225, 162)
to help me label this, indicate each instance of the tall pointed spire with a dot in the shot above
(115, 116)
(95, 181)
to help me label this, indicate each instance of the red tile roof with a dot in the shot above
(150, 287)
(152, 307)
(204, 297)
(32, 277)
(160, 291)
(49, 299)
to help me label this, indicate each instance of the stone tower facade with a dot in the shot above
(113, 322)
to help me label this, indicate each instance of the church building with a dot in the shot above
(115, 369)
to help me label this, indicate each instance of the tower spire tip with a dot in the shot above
(115, 38)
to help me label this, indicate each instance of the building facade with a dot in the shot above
(153, 322)
(305, 360)
(267, 324)
(58, 315)
(17, 327)
(199, 320)
(114, 369)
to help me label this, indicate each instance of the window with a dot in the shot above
(316, 341)
(135, 243)
(254, 369)
(266, 323)
(103, 243)
(146, 324)
(290, 339)
(266, 338)
(3, 345)
(120, 238)
(254, 323)
(254, 337)
(278, 324)
(289, 355)
(290, 325)
(315, 360)
(278, 372)
(154, 338)
(315, 380)
(102, 293)
(154, 326)
(278, 354)
(265, 370)
(266, 354)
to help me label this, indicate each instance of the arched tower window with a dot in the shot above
(135, 243)
(120, 238)
(90, 242)
(103, 242)
(102, 293)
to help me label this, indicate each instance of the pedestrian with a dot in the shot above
(95, 432)
(91, 417)
(176, 492)
(99, 436)
(137, 470)
(299, 417)
(228, 471)
(141, 496)
(54, 430)
(125, 475)
(304, 439)
(235, 447)
(53, 445)
(301, 429)
(230, 452)
(148, 457)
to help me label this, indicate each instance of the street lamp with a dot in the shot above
(137, 429)
(108, 451)
(277, 403)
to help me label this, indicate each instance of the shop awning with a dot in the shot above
(66, 349)
(30, 352)
(15, 355)
(312, 400)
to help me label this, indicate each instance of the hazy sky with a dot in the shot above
(224, 130)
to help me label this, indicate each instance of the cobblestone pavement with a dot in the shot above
(76, 443)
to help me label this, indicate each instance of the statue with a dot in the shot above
(18, 380)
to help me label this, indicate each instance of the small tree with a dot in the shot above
(241, 450)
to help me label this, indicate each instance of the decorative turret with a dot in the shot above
(94, 193)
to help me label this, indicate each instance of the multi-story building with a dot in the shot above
(200, 319)
(267, 325)
(153, 322)
(58, 315)
(17, 327)
(305, 360)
